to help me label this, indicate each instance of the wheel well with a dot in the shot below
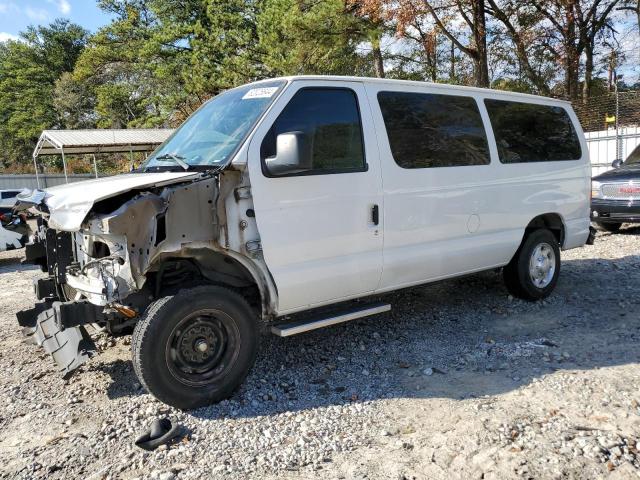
(550, 221)
(203, 267)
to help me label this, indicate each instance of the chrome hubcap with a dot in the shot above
(542, 265)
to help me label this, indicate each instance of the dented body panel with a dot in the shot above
(161, 237)
(171, 218)
(69, 204)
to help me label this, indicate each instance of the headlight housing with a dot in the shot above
(596, 190)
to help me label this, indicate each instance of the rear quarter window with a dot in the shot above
(527, 132)
(429, 130)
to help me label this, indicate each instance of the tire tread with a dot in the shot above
(514, 274)
(148, 327)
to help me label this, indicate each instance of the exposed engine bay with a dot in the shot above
(109, 253)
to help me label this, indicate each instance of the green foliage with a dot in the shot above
(310, 37)
(74, 102)
(29, 69)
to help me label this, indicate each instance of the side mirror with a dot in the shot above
(292, 154)
(617, 163)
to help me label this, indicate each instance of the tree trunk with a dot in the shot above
(571, 54)
(610, 71)
(434, 68)
(588, 74)
(452, 71)
(572, 80)
(537, 80)
(377, 56)
(481, 62)
(430, 46)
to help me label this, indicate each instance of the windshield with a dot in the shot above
(634, 157)
(210, 136)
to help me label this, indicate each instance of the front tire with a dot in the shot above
(533, 272)
(196, 347)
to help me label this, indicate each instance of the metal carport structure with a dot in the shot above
(65, 142)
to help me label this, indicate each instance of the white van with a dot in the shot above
(283, 196)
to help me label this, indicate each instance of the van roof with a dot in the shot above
(416, 83)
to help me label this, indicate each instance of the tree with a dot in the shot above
(307, 37)
(371, 26)
(426, 49)
(631, 6)
(593, 23)
(463, 22)
(74, 102)
(473, 14)
(29, 69)
(521, 24)
(168, 57)
(572, 29)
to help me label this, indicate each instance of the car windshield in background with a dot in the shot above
(210, 136)
(634, 157)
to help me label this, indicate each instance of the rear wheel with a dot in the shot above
(196, 347)
(612, 227)
(533, 272)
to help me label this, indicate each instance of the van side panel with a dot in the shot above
(443, 222)
(577, 224)
(316, 230)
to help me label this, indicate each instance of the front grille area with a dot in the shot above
(621, 191)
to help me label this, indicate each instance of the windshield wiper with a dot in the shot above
(176, 158)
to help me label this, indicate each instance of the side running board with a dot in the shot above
(319, 321)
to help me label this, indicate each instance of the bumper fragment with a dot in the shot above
(36, 254)
(46, 326)
(45, 289)
(616, 211)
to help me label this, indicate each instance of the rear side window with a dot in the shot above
(329, 119)
(527, 132)
(428, 131)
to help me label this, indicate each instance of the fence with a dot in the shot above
(600, 112)
(16, 182)
(604, 144)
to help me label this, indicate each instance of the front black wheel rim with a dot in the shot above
(202, 347)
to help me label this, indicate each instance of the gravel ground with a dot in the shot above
(459, 380)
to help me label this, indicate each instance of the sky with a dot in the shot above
(17, 15)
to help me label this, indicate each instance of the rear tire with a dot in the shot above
(533, 271)
(196, 347)
(612, 227)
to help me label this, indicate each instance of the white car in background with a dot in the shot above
(14, 229)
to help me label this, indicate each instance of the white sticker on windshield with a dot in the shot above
(264, 92)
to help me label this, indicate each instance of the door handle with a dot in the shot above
(375, 214)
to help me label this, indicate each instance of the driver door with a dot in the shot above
(319, 225)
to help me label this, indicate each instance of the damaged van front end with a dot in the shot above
(111, 254)
(114, 246)
(98, 248)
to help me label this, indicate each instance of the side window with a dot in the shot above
(527, 132)
(326, 123)
(428, 130)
